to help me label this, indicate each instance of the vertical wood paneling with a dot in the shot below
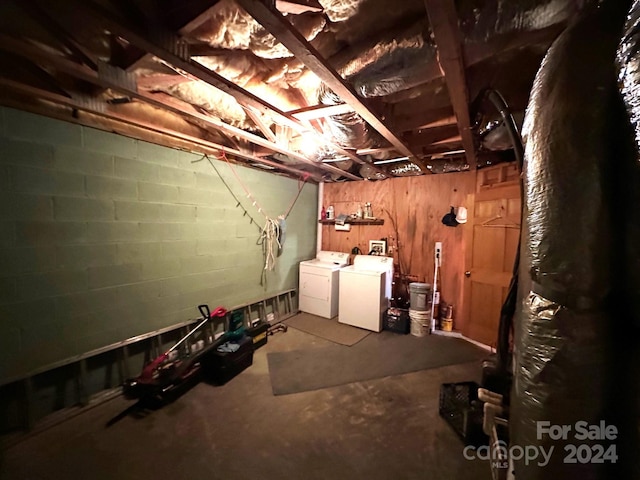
(491, 249)
(415, 205)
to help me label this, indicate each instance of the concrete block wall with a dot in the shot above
(103, 237)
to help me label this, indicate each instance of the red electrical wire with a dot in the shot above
(252, 198)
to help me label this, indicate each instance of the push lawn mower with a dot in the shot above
(176, 366)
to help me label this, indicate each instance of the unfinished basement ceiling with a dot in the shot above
(331, 89)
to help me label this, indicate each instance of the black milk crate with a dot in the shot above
(460, 407)
(397, 320)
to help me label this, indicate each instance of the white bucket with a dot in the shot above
(419, 322)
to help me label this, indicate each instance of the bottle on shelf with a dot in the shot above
(323, 213)
(368, 211)
(330, 213)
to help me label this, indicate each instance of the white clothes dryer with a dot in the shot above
(319, 281)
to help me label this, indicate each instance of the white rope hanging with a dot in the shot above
(270, 239)
(272, 236)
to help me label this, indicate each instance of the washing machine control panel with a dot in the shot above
(337, 258)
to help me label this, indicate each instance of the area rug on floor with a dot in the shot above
(329, 329)
(378, 355)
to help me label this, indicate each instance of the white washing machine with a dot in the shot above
(319, 280)
(365, 291)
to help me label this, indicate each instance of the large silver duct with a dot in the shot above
(398, 60)
(565, 341)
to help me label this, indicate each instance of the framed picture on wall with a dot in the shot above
(377, 247)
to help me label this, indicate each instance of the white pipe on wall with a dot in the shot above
(320, 203)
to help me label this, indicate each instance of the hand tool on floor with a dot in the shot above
(277, 328)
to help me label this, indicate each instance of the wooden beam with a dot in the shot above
(123, 54)
(167, 102)
(441, 149)
(163, 101)
(184, 29)
(200, 18)
(21, 69)
(419, 118)
(476, 53)
(284, 32)
(58, 32)
(429, 136)
(298, 6)
(261, 124)
(452, 120)
(373, 151)
(111, 112)
(30, 103)
(320, 111)
(205, 50)
(449, 140)
(446, 33)
(160, 80)
(174, 52)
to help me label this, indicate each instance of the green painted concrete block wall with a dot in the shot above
(103, 237)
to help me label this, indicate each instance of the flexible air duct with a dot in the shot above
(627, 388)
(564, 341)
(401, 59)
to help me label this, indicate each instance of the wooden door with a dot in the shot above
(492, 241)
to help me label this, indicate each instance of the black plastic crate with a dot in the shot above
(397, 320)
(460, 407)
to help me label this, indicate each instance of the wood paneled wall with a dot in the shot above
(412, 209)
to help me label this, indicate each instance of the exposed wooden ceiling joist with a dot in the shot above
(205, 10)
(320, 111)
(446, 32)
(429, 136)
(175, 53)
(172, 36)
(160, 80)
(474, 54)
(439, 123)
(110, 80)
(112, 112)
(286, 34)
(58, 32)
(167, 102)
(419, 118)
(205, 13)
(256, 117)
(449, 140)
(298, 6)
(440, 149)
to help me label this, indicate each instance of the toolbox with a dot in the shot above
(259, 334)
(220, 367)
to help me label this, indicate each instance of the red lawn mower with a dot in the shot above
(176, 366)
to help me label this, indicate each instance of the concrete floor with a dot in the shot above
(381, 429)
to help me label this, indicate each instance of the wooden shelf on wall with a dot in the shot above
(356, 221)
